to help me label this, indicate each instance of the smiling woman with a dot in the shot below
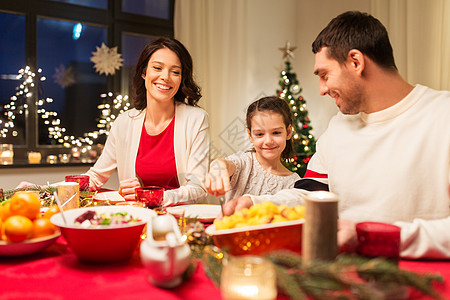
(164, 140)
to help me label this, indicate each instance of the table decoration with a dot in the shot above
(6, 154)
(378, 239)
(65, 191)
(52, 159)
(347, 277)
(164, 252)
(83, 181)
(320, 228)
(151, 196)
(34, 157)
(248, 277)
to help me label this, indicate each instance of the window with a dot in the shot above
(62, 105)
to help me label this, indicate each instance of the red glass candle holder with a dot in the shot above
(378, 239)
(151, 196)
(83, 181)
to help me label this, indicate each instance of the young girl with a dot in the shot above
(258, 171)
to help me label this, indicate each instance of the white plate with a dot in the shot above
(112, 197)
(205, 213)
(28, 246)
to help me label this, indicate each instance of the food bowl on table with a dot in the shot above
(27, 247)
(259, 239)
(103, 243)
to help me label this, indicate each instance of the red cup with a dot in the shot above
(378, 239)
(151, 196)
(83, 181)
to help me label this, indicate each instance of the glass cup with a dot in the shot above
(378, 239)
(151, 196)
(248, 277)
(6, 154)
(83, 181)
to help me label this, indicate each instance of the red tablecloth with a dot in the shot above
(55, 273)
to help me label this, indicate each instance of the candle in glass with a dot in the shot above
(248, 278)
(6, 154)
(34, 157)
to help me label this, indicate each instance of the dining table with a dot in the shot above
(56, 273)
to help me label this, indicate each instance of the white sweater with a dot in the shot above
(391, 166)
(191, 147)
(251, 178)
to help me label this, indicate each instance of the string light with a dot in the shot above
(57, 132)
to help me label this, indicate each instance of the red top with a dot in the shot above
(155, 161)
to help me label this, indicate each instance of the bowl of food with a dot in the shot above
(103, 233)
(260, 229)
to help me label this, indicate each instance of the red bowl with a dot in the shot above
(104, 243)
(259, 239)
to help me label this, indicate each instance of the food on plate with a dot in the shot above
(21, 218)
(262, 213)
(92, 219)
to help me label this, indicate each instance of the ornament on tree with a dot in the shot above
(303, 141)
(106, 60)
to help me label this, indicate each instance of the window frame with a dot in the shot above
(116, 22)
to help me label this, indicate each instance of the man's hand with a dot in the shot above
(237, 204)
(346, 235)
(127, 187)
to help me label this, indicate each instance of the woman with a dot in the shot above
(164, 139)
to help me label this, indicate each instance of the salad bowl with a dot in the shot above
(103, 243)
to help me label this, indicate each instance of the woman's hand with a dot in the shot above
(127, 187)
(25, 184)
(217, 181)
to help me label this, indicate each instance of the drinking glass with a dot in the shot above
(83, 181)
(151, 196)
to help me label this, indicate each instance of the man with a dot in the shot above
(386, 154)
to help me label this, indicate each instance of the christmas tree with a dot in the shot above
(303, 141)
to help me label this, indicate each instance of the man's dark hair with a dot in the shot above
(356, 30)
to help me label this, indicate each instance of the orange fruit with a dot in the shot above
(25, 204)
(43, 227)
(18, 228)
(54, 209)
(6, 212)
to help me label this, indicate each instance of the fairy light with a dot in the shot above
(108, 113)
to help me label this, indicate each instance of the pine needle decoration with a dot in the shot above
(348, 277)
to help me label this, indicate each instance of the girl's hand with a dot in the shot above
(127, 187)
(217, 181)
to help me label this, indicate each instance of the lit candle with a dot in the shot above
(65, 191)
(34, 157)
(52, 159)
(6, 154)
(248, 278)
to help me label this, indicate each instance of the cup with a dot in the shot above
(83, 181)
(151, 196)
(6, 154)
(34, 157)
(248, 277)
(65, 191)
(378, 239)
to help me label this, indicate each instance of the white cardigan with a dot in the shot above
(191, 148)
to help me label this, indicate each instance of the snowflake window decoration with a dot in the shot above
(106, 60)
